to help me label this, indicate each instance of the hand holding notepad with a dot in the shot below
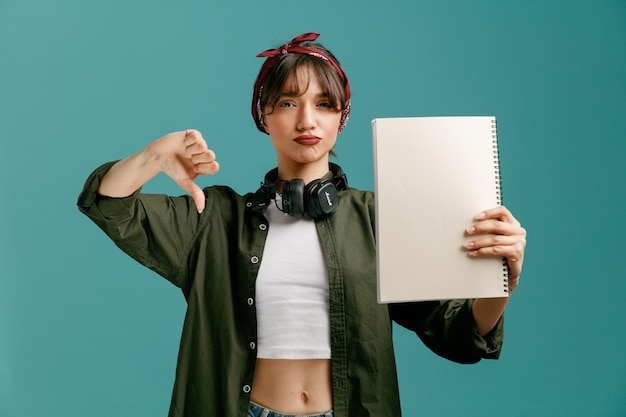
(433, 175)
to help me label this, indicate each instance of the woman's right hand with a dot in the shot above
(183, 156)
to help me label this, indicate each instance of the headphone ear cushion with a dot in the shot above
(293, 197)
(321, 198)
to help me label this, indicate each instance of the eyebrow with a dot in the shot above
(295, 94)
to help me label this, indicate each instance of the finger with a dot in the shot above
(194, 142)
(513, 253)
(198, 198)
(192, 135)
(196, 148)
(205, 163)
(514, 261)
(207, 168)
(500, 213)
(196, 193)
(495, 227)
(204, 157)
(495, 240)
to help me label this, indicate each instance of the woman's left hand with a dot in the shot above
(505, 237)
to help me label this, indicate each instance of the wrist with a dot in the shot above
(151, 158)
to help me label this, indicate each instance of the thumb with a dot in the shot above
(196, 193)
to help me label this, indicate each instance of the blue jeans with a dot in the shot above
(256, 410)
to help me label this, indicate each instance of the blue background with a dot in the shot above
(84, 331)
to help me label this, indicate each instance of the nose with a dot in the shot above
(306, 118)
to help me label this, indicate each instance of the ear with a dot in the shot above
(264, 125)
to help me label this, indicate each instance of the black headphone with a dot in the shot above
(318, 198)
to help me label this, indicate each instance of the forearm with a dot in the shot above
(487, 312)
(129, 174)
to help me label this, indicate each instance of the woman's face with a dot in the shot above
(303, 126)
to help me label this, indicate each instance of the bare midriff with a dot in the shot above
(293, 386)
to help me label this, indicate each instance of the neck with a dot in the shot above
(307, 172)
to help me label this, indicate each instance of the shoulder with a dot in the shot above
(223, 197)
(356, 205)
(223, 191)
(358, 198)
(359, 195)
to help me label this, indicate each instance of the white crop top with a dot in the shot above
(293, 319)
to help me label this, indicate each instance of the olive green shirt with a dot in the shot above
(214, 258)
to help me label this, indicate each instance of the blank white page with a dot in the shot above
(433, 175)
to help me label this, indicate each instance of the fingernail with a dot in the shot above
(469, 245)
(481, 216)
(470, 230)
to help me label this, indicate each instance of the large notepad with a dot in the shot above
(433, 175)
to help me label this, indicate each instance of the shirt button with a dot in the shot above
(248, 204)
(263, 226)
(252, 345)
(250, 301)
(246, 388)
(254, 259)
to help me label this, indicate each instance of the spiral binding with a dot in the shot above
(496, 160)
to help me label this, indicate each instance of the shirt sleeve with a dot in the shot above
(448, 329)
(156, 230)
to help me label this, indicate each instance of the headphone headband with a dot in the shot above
(271, 180)
(318, 198)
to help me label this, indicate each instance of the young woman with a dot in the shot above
(282, 317)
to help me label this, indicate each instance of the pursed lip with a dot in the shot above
(308, 139)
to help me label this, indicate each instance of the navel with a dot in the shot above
(304, 397)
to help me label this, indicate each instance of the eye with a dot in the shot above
(325, 104)
(285, 104)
